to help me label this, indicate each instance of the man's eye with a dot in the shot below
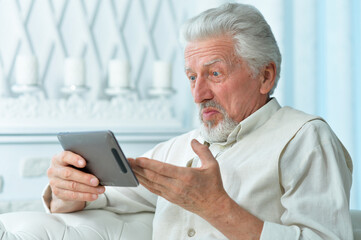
(192, 78)
(216, 74)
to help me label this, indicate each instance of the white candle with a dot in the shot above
(74, 72)
(118, 74)
(162, 75)
(26, 70)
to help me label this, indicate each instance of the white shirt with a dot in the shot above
(293, 174)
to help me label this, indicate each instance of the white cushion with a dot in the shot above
(92, 225)
(87, 224)
(356, 224)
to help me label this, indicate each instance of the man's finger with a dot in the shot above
(165, 169)
(72, 174)
(154, 188)
(76, 186)
(153, 177)
(203, 153)
(159, 190)
(68, 195)
(70, 158)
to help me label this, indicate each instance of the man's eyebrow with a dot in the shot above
(187, 69)
(212, 62)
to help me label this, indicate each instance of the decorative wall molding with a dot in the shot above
(137, 31)
(34, 167)
(37, 112)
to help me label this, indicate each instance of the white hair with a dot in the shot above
(254, 40)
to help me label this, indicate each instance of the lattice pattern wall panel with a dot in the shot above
(138, 31)
(97, 30)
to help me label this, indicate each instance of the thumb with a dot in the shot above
(203, 153)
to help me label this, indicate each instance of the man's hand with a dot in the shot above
(71, 188)
(198, 190)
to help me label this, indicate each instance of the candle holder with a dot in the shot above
(161, 92)
(25, 89)
(74, 90)
(121, 94)
(118, 91)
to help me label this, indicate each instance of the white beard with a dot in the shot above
(219, 132)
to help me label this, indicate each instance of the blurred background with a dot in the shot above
(117, 64)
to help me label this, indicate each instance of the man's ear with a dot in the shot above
(268, 76)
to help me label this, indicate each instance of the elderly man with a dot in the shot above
(253, 170)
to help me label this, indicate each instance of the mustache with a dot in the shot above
(211, 103)
(225, 122)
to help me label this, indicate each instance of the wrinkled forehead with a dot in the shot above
(224, 43)
(210, 51)
(188, 68)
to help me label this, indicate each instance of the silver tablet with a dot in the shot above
(103, 155)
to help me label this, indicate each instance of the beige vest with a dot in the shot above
(258, 187)
(252, 163)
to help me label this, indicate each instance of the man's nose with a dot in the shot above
(202, 90)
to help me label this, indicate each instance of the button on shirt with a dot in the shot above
(191, 232)
(283, 166)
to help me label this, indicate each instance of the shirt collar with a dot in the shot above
(257, 119)
(251, 123)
